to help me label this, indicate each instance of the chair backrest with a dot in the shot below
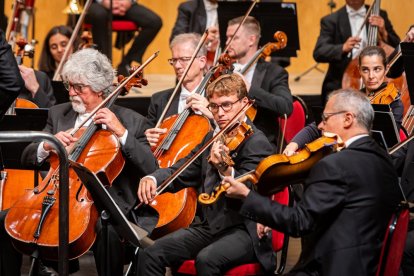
(394, 242)
(281, 197)
(296, 121)
(403, 136)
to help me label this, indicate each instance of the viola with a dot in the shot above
(233, 138)
(277, 171)
(385, 96)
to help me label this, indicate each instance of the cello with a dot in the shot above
(177, 210)
(33, 229)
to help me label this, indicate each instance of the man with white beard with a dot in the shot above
(88, 76)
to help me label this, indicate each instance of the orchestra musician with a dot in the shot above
(11, 82)
(182, 48)
(148, 22)
(337, 43)
(372, 68)
(223, 239)
(195, 16)
(348, 199)
(269, 82)
(88, 76)
(54, 47)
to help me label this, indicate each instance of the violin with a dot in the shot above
(277, 171)
(385, 96)
(233, 138)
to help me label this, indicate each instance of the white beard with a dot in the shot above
(77, 104)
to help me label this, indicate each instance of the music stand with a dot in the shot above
(265, 13)
(25, 119)
(60, 92)
(110, 211)
(407, 51)
(384, 122)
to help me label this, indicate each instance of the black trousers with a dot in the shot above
(143, 17)
(10, 259)
(213, 254)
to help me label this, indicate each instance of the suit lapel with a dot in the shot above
(259, 74)
(68, 120)
(344, 23)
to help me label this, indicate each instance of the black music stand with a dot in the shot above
(407, 51)
(60, 92)
(25, 119)
(272, 16)
(384, 129)
(110, 211)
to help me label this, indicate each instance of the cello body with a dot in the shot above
(13, 185)
(177, 210)
(31, 229)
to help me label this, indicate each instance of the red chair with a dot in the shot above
(403, 135)
(121, 27)
(279, 242)
(394, 242)
(295, 122)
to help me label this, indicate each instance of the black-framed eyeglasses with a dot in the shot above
(226, 106)
(182, 60)
(77, 87)
(326, 116)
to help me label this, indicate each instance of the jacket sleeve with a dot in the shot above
(44, 96)
(182, 23)
(325, 192)
(278, 100)
(326, 50)
(393, 39)
(11, 82)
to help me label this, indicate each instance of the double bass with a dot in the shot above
(352, 78)
(32, 222)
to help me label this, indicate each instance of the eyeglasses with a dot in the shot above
(182, 60)
(326, 116)
(226, 106)
(77, 87)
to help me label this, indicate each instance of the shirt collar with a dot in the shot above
(361, 11)
(353, 139)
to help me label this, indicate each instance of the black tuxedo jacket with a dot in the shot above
(404, 162)
(335, 30)
(138, 156)
(44, 96)
(11, 81)
(191, 18)
(158, 102)
(224, 213)
(270, 90)
(347, 203)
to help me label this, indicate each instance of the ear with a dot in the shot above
(252, 40)
(349, 120)
(203, 62)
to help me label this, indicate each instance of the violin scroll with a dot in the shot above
(281, 42)
(207, 199)
(137, 81)
(87, 41)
